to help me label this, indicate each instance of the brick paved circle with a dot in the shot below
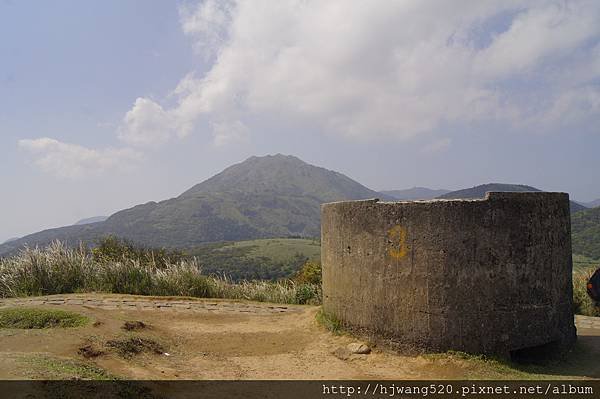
(149, 303)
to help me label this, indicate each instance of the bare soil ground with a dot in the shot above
(133, 337)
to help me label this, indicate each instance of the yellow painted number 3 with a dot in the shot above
(397, 236)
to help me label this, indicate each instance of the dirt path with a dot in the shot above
(221, 339)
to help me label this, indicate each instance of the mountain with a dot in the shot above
(10, 240)
(593, 204)
(262, 197)
(479, 192)
(585, 229)
(94, 219)
(415, 193)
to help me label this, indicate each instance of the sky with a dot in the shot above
(108, 104)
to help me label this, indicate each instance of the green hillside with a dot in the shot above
(266, 259)
(262, 197)
(585, 229)
(479, 192)
(279, 249)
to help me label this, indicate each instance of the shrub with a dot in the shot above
(309, 273)
(582, 303)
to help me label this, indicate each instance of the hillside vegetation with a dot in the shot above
(266, 259)
(585, 228)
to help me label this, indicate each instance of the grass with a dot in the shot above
(50, 368)
(329, 321)
(57, 269)
(279, 249)
(28, 318)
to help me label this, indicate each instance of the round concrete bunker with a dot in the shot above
(487, 276)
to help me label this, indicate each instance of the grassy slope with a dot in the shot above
(585, 227)
(264, 259)
(279, 249)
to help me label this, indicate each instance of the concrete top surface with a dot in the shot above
(489, 195)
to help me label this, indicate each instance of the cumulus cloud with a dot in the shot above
(208, 22)
(227, 132)
(390, 69)
(73, 161)
(146, 124)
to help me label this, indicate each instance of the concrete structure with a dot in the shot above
(487, 276)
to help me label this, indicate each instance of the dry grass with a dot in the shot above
(58, 269)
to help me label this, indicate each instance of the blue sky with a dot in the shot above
(106, 104)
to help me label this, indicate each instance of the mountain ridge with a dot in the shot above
(94, 219)
(261, 197)
(415, 193)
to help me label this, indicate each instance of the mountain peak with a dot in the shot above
(272, 158)
(282, 175)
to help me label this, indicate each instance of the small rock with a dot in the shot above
(134, 325)
(358, 348)
(342, 353)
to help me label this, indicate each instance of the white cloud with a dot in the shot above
(146, 124)
(389, 69)
(229, 132)
(547, 32)
(208, 22)
(73, 161)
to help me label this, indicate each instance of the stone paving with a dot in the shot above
(151, 303)
(587, 322)
(193, 305)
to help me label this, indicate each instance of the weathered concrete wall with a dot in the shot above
(481, 276)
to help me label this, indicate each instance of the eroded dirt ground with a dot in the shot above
(219, 339)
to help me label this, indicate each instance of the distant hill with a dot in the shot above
(585, 229)
(262, 197)
(479, 192)
(10, 240)
(415, 193)
(593, 204)
(94, 219)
